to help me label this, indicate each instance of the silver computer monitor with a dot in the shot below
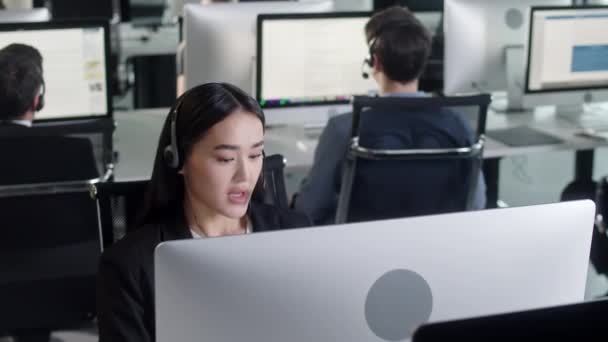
(311, 59)
(310, 65)
(477, 35)
(372, 281)
(75, 66)
(221, 39)
(25, 15)
(567, 59)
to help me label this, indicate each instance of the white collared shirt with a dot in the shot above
(26, 123)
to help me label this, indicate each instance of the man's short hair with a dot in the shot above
(20, 79)
(400, 42)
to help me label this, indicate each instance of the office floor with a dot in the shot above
(524, 180)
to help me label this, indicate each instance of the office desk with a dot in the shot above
(137, 132)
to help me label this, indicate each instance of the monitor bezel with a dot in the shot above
(528, 55)
(73, 24)
(297, 16)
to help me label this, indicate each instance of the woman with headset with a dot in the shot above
(208, 166)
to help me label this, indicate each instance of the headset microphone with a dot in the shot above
(369, 61)
(364, 72)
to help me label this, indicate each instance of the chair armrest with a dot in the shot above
(108, 174)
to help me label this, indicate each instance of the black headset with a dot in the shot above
(369, 61)
(171, 151)
(40, 104)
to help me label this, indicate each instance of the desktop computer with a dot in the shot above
(372, 281)
(220, 39)
(484, 52)
(584, 321)
(567, 62)
(75, 66)
(309, 65)
(479, 36)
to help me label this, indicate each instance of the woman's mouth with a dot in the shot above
(238, 197)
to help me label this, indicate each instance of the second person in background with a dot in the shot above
(399, 49)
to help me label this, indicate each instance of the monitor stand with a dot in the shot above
(514, 57)
(512, 101)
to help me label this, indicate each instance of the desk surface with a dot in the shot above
(137, 132)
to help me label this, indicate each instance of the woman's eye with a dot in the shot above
(225, 160)
(255, 156)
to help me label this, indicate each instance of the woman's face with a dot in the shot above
(225, 164)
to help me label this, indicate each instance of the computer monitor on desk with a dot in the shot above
(373, 281)
(484, 45)
(75, 66)
(220, 39)
(310, 65)
(567, 60)
(574, 322)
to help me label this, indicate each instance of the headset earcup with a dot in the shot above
(40, 104)
(171, 158)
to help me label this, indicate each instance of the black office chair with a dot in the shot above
(599, 242)
(45, 159)
(275, 192)
(119, 204)
(49, 250)
(405, 160)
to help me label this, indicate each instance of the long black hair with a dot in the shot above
(195, 112)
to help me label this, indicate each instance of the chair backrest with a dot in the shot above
(275, 192)
(119, 205)
(411, 156)
(44, 159)
(50, 246)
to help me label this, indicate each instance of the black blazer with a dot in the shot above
(125, 281)
(40, 159)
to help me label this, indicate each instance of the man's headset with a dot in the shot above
(40, 103)
(368, 62)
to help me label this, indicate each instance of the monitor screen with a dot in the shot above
(568, 49)
(308, 59)
(478, 37)
(221, 39)
(74, 66)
